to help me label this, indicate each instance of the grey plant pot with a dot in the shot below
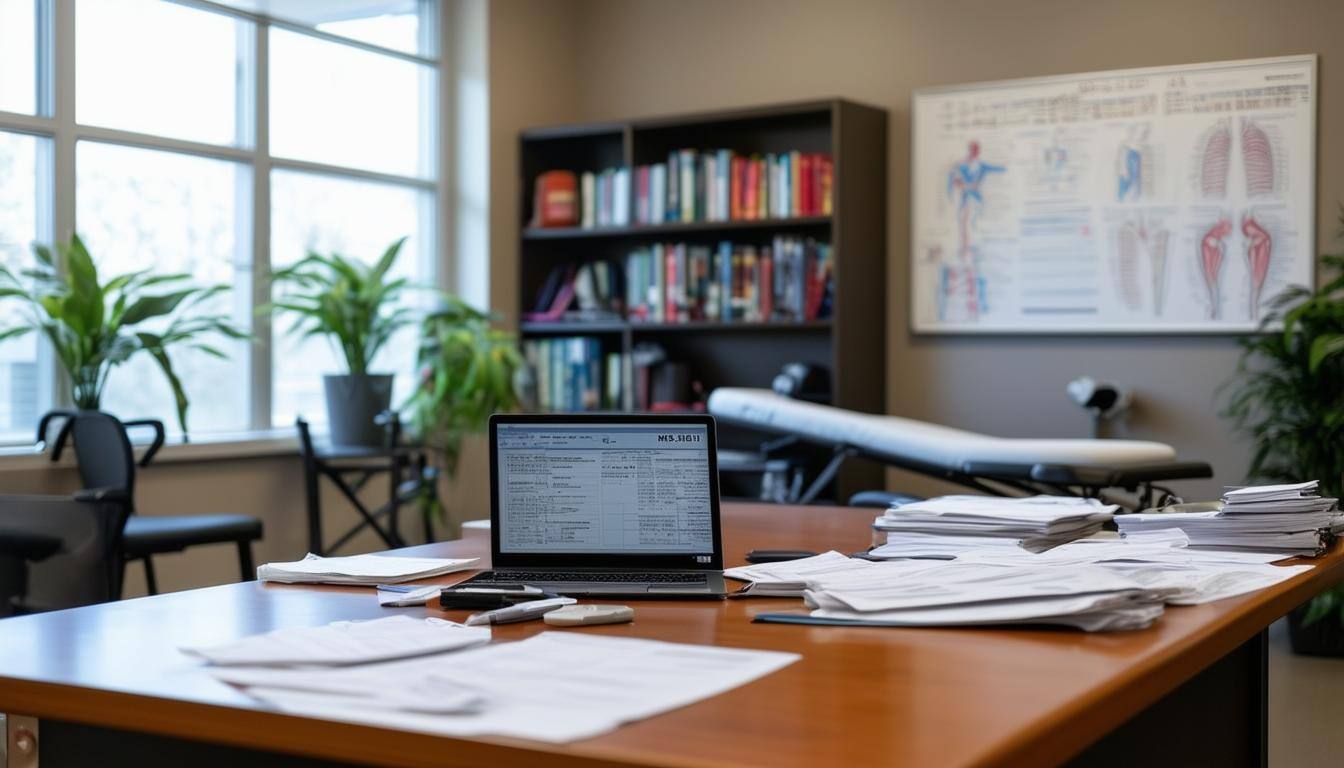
(353, 402)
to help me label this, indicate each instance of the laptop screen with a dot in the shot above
(606, 488)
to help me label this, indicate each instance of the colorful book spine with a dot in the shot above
(574, 374)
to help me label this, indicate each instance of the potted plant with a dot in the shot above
(95, 326)
(467, 371)
(1288, 398)
(356, 306)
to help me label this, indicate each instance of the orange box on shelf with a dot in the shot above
(556, 200)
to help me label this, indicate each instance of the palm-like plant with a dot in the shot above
(1288, 395)
(466, 373)
(351, 302)
(95, 326)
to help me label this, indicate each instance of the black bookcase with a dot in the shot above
(851, 343)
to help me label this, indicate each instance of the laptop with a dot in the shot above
(605, 505)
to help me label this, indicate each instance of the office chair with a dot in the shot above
(60, 551)
(103, 453)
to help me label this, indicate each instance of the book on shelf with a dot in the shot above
(579, 292)
(573, 373)
(554, 202)
(605, 198)
(789, 280)
(721, 185)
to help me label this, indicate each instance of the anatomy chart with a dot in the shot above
(1172, 199)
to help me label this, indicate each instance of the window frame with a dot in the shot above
(55, 119)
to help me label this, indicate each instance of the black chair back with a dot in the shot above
(103, 452)
(86, 566)
(103, 448)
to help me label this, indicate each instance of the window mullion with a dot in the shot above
(61, 58)
(260, 351)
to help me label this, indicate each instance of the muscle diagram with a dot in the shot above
(961, 281)
(1259, 250)
(1130, 161)
(1212, 249)
(1215, 159)
(1135, 242)
(1257, 157)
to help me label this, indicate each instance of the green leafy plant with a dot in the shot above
(346, 300)
(94, 326)
(466, 373)
(1288, 396)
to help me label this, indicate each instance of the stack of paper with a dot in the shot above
(554, 686)
(946, 526)
(915, 593)
(1101, 583)
(360, 569)
(345, 642)
(940, 547)
(789, 578)
(1287, 519)
(1160, 561)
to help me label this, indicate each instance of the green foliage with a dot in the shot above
(1288, 395)
(93, 327)
(466, 373)
(351, 302)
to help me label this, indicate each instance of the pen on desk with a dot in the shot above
(521, 612)
(399, 587)
(499, 589)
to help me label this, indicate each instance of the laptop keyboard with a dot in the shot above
(622, 577)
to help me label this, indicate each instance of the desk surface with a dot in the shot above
(859, 695)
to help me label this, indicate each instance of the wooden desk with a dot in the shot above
(859, 696)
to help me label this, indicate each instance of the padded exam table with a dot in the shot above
(997, 465)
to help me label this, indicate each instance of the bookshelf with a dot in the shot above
(850, 342)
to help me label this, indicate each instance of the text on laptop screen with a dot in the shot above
(604, 488)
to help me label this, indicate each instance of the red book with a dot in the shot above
(555, 200)
(805, 184)
(671, 308)
(750, 195)
(827, 182)
(735, 178)
(818, 273)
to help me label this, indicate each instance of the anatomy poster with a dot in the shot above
(1173, 199)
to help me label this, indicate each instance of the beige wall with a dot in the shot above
(534, 62)
(640, 57)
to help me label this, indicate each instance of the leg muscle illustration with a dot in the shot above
(1259, 248)
(1212, 248)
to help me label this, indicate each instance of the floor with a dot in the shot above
(1306, 707)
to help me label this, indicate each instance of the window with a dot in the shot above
(339, 105)
(23, 395)
(163, 122)
(155, 67)
(173, 213)
(358, 219)
(18, 56)
(401, 25)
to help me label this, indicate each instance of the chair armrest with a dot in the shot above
(58, 444)
(154, 446)
(114, 495)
